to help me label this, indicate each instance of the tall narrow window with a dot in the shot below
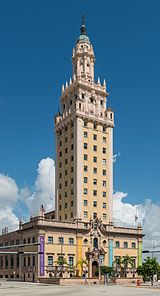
(95, 243)
(104, 161)
(50, 260)
(95, 137)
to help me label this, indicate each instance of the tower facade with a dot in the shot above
(84, 142)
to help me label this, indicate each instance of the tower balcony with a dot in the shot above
(92, 85)
(105, 117)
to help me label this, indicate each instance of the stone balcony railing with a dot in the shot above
(109, 228)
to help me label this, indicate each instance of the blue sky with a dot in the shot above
(36, 41)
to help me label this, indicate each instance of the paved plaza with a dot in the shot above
(29, 289)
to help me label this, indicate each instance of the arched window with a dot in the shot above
(95, 243)
(91, 100)
(85, 241)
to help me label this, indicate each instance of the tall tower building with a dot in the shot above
(82, 228)
(84, 142)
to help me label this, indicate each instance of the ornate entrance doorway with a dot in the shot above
(94, 269)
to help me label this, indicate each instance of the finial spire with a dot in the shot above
(83, 27)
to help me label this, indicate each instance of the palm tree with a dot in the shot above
(122, 264)
(81, 264)
(127, 260)
(61, 262)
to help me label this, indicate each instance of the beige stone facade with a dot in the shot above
(92, 241)
(84, 143)
(81, 228)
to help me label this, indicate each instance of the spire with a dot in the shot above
(83, 27)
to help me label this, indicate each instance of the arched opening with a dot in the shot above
(94, 269)
(95, 243)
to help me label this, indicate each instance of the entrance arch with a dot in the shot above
(94, 269)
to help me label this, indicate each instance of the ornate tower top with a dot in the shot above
(83, 56)
(83, 27)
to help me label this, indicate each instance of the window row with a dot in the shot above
(94, 137)
(66, 182)
(85, 146)
(65, 140)
(11, 261)
(85, 168)
(66, 171)
(85, 191)
(51, 261)
(94, 170)
(94, 126)
(66, 150)
(85, 215)
(28, 240)
(94, 181)
(66, 128)
(66, 205)
(65, 193)
(61, 240)
(85, 203)
(66, 216)
(94, 158)
(125, 245)
(66, 160)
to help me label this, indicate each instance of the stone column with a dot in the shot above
(110, 252)
(90, 266)
(79, 253)
(139, 252)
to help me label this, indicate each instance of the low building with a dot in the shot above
(42, 240)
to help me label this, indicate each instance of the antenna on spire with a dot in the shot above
(83, 27)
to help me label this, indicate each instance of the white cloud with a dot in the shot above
(44, 188)
(30, 199)
(9, 195)
(8, 191)
(115, 156)
(148, 215)
(8, 219)
(43, 192)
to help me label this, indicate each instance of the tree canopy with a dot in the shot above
(149, 267)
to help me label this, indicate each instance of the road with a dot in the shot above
(29, 289)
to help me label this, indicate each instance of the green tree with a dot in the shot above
(121, 264)
(61, 262)
(106, 270)
(149, 268)
(81, 264)
(127, 261)
(141, 271)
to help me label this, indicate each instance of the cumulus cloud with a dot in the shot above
(8, 219)
(148, 216)
(9, 195)
(43, 191)
(8, 191)
(23, 202)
